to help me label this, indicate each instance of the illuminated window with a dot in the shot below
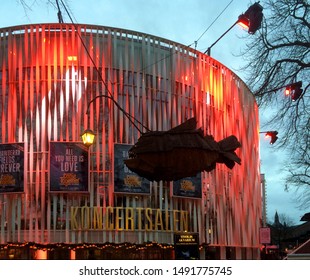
(209, 98)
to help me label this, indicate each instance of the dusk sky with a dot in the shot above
(197, 23)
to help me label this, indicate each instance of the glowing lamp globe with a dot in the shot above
(244, 22)
(88, 137)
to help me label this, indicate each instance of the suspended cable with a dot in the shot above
(213, 21)
(194, 43)
(131, 118)
(60, 19)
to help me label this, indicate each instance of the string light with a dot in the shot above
(69, 246)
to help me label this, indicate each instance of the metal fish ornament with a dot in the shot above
(180, 152)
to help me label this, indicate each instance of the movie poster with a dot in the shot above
(126, 181)
(69, 167)
(188, 187)
(12, 168)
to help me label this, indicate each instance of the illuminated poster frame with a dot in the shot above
(186, 246)
(12, 165)
(69, 167)
(126, 181)
(189, 187)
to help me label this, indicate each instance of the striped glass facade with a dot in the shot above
(49, 73)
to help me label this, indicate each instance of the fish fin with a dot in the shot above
(227, 151)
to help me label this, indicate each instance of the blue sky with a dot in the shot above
(184, 22)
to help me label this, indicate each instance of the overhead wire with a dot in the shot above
(214, 21)
(60, 19)
(110, 96)
(130, 117)
(193, 43)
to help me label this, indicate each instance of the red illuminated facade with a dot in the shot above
(48, 75)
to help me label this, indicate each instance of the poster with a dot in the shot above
(188, 187)
(126, 181)
(69, 167)
(186, 246)
(12, 168)
(264, 235)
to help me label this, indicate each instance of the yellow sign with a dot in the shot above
(186, 239)
(69, 179)
(128, 218)
(7, 180)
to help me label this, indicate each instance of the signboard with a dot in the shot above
(264, 235)
(186, 246)
(188, 187)
(69, 167)
(128, 219)
(12, 168)
(126, 181)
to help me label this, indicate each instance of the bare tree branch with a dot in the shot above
(276, 56)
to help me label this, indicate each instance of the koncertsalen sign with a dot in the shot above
(129, 218)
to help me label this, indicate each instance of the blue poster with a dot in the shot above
(12, 168)
(126, 181)
(69, 167)
(188, 187)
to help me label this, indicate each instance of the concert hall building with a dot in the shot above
(60, 199)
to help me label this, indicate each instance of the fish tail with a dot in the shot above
(228, 155)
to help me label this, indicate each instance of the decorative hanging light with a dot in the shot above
(88, 137)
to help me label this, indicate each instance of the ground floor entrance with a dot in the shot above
(121, 251)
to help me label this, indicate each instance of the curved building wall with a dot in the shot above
(50, 73)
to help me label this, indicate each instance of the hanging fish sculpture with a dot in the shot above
(180, 152)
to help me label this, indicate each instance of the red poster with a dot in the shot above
(264, 235)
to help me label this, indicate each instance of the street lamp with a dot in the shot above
(294, 90)
(250, 20)
(272, 134)
(88, 137)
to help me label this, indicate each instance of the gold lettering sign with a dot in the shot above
(187, 185)
(69, 179)
(128, 219)
(7, 180)
(186, 239)
(132, 181)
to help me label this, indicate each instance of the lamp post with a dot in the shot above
(88, 136)
(208, 51)
(251, 20)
